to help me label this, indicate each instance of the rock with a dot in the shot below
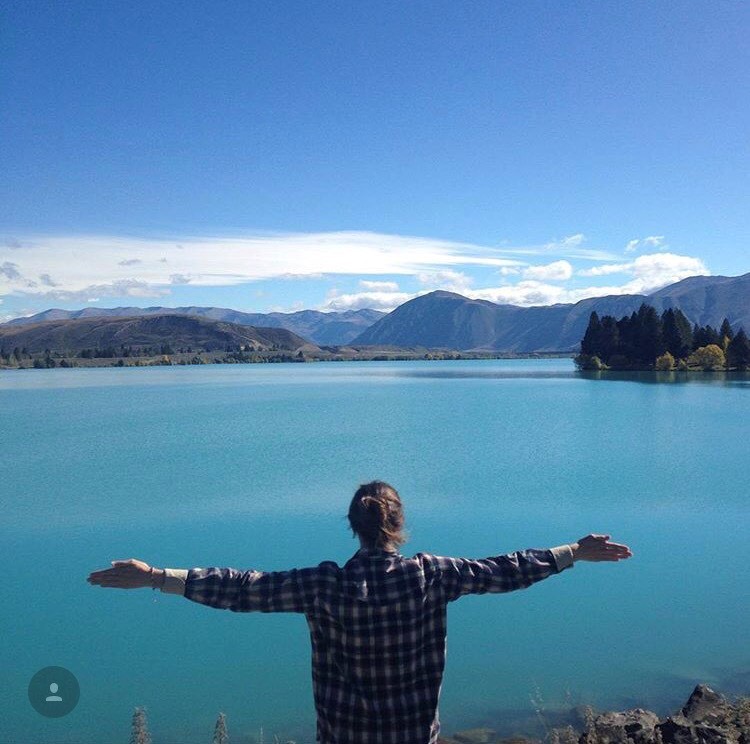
(636, 725)
(706, 706)
(679, 730)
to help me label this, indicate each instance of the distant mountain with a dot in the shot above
(448, 320)
(331, 329)
(74, 335)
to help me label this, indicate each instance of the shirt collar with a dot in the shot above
(376, 551)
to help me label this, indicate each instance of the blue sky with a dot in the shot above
(276, 155)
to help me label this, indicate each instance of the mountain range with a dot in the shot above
(333, 329)
(447, 320)
(438, 320)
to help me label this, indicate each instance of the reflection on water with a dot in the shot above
(717, 379)
(347, 373)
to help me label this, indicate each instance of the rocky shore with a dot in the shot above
(706, 718)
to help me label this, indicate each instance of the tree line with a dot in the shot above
(647, 340)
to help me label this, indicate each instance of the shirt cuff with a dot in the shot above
(563, 555)
(174, 581)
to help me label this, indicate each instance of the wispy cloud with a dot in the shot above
(653, 241)
(112, 266)
(571, 247)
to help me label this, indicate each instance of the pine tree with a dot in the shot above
(738, 351)
(590, 341)
(139, 729)
(221, 735)
(678, 335)
(726, 330)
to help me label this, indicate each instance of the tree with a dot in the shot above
(726, 330)
(678, 335)
(707, 357)
(704, 336)
(139, 729)
(664, 363)
(590, 340)
(221, 735)
(738, 351)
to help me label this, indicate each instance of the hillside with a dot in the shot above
(74, 335)
(448, 320)
(320, 328)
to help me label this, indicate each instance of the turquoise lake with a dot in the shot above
(253, 466)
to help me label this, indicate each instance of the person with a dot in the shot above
(377, 624)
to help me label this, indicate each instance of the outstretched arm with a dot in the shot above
(506, 573)
(222, 588)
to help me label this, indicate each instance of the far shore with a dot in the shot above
(330, 354)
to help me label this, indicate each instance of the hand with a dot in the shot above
(130, 574)
(598, 548)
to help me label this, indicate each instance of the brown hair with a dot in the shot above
(377, 516)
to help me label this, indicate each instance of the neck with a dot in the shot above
(372, 546)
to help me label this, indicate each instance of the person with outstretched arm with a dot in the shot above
(377, 624)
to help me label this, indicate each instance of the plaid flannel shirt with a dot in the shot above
(377, 626)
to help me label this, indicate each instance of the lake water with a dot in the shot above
(253, 466)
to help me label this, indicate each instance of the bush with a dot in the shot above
(664, 363)
(587, 362)
(707, 358)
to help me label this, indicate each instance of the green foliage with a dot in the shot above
(738, 351)
(678, 335)
(586, 362)
(644, 340)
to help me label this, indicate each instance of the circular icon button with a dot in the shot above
(54, 692)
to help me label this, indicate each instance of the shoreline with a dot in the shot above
(208, 358)
(707, 717)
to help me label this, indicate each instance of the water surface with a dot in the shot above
(252, 466)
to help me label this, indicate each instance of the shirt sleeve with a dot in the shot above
(244, 591)
(503, 573)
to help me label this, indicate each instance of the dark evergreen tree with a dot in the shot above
(726, 330)
(704, 336)
(678, 335)
(609, 339)
(738, 351)
(590, 341)
(648, 337)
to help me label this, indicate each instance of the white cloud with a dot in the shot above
(378, 286)
(385, 301)
(557, 271)
(652, 241)
(571, 246)
(651, 271)
(509, 270)
(648, 273)
(106, 266)
(448, 279)
(525, 293)
(605, 269)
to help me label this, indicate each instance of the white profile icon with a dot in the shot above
(54, 697)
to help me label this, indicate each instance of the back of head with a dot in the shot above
(377, 516)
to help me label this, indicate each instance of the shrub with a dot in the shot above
(664, 363)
